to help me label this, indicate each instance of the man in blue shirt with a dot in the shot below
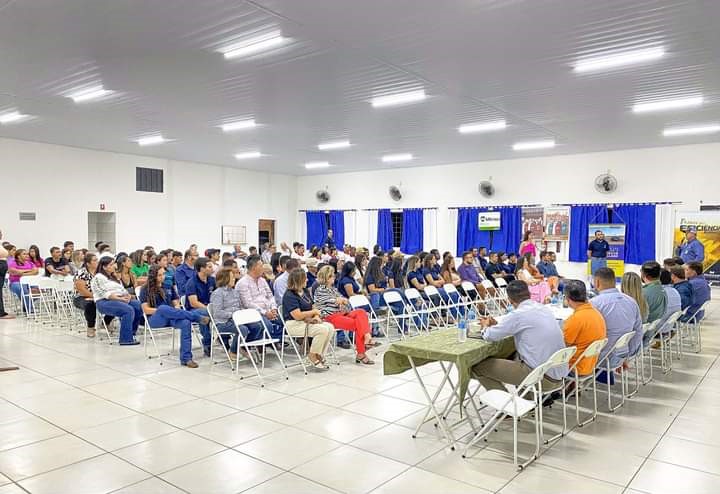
(691, 250)
(621, 314)
(597, 252)
(683, 286)
(197, 296)
(482, 258)
(185, 271)
(329, 240)
(547, 268)
(700, 289)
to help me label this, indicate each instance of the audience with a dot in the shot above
(547, 268)
(691, 250)
(683, 287)
(197, 297)
(255, 294)
(537, 336)
(674, 301)
(56, 266)
(631, 285)
(495, 270)
(585, 326)
(35, 258)
(67, 255)
(652, 291)
(124, 273)
(140, 266)
(510, 263)
(449, 274)
(302, 321)
(162, 308)
(281, 281)
(700, 291)
(18, 266)
(312, 268)
(184, 272)
(621, 314)
(267, 253)
(468, 272)
(113, 300)
(84, 297)
(540, 290)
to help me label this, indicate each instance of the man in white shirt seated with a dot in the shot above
(298, 252)
(537, 336)
(280, 284)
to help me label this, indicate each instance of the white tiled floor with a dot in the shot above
(82, 416)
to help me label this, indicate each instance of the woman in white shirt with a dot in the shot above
(112, 299)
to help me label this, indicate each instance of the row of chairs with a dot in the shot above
(519, 401)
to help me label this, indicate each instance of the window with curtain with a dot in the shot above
(412, 231)
(397, 226)
(316, 227)
(336, 221)
(468, 231)
(507, 239)
(580, 218)
(384, 230)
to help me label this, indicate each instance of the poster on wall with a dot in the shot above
(707, 227)
(557, 223)
(532, 220)
(489, 220)
(615, 236)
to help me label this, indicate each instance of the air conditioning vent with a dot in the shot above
(148, 180)
(27, 216)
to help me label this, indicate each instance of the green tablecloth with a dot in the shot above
(443, 346)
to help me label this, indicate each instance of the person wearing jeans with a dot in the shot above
(197, 293)
(376, 284)
(84, 299)
(113, 300)
(163, 308)
(19, 266)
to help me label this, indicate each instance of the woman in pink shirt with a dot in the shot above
(527, 245)
(34, 256)
(19, 266)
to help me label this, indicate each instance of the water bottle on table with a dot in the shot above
(462, 331)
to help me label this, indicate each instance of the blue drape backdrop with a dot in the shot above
(337, 225)
(580, 218)
(412, 233)
(639, 220)
(508, 238)
(468, 232)
(385, 231)
(316, 227)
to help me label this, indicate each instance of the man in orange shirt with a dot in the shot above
(584, 327)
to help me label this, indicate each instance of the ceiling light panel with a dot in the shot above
(248, 155)
(90, 94)
(314, 165)
(331, 145)
(238, 125)
(397, 157)
(254, 46)
(12, 117)
(151, 140)
(399, 99)
(617, 60)
(691, 130)
(531, 145)
(668, 105)
(480, 127)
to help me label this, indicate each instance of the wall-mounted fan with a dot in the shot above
(322, 196)
(606, 183)
(395, 193)
(486, 188)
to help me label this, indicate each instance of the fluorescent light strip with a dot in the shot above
(695, 130)
(90, 94)
(671, 104)
(151, 140)
(12, 117)
(313, 165)
(529, 145)
(248, 155)
(239, 125)
(396, 158)
(327, 146)
(253, 46)
(399, 99)
(618, 60)
(482, 127)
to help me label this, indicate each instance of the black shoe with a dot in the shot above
(548, 402)
(206, 351)
(345, 345)
(129, 343)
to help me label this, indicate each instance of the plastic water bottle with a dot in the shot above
(554, 299)
(510, 308)
(462, 331)
(471, 315)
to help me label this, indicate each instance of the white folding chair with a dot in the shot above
(46, 309)
(252, 316)
(651, 333)
(217, 335)
(461, 306)
(692, 328)
(436, 303)
(155, 331)
(405, 318)
(65, 293)
(362, 302)
(514, 404)
(622, 343)
(288, 337)
(30, 295)
(195, 326)
(560, 358)
(473, 298)
(501, 290)
(422, 309)
(493, 299)
(593, 350)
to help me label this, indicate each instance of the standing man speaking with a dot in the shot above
(691, 250)
(597, 252)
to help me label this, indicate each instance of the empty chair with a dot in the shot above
(250, 316)
(622, 343)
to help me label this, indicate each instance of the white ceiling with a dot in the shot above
(478, 60)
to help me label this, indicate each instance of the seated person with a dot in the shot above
(312, 268)
(197, 293)
(19, 265)
(631, 285)
(482, 258)
(301, 320)
(185, 271)
(495, 270)
(113, 300)
(287, 264)
(621, 314)
(162, 306)
(537, 336)
(652, 290)
(701, 291)
(509, 263)
(432, 278)
(674, 302)
(335, 309)
(225, 301)
(449, 274)
(56, 266)
(468, 272)
(683, 287)
(255, 294)
(585, 326)
(84, 298)
(540, 290)
(376, 284)
(547, 268)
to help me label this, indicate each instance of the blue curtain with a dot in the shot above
(337, 225)
(468, 231)
(412, 233)
(639, 220)
(580, 218)
(508, 238)
(316, 227)
(385, 230)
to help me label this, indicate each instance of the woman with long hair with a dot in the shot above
(18, 266)
(449, 273)
(414, 277)
(539, 289)
(302, 320)
(361, 262)
(84, 298)
(631, 285)
(34, 256)
(335, 309)
(431, 273)
(527, 246)
(140, 266)
(162, 307)
(275, 263)
(112, 299)
(347, 286)
(393, 272)
(376, 284)
(67, 255)
(124, 273)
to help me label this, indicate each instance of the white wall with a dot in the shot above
(61, 184)
(678, 173)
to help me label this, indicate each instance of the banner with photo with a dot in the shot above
(532, 220)
(557, 223)
(615, 236)
(707, 226)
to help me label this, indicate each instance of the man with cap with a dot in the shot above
(691, 250)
